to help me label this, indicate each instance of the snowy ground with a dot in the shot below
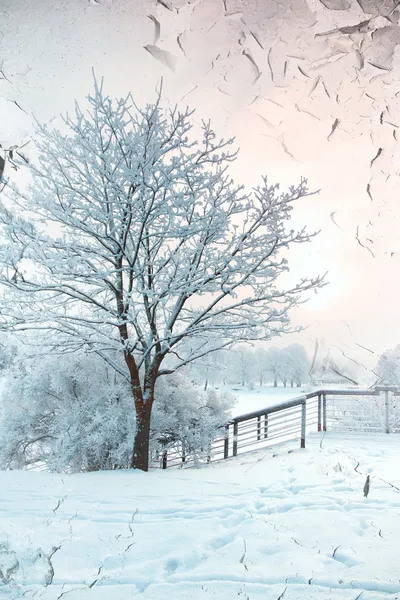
(260, 397)
(268, 525)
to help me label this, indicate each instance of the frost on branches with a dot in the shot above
(388, 367)
(134, 238)
(77, 417)
(187, 417)
(74, 416)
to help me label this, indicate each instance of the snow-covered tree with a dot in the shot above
(71, 416)
(186, 416)
(330, 367)
(298, 364)
(274, 363)
(134, 238)
(284, 366)
(78, 418)
(7, 159)
(211, 369)
(2, 167)
(7, 355)
(388, 367)
(260, 364)
(242, 361)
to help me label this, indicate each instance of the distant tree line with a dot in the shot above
(245, 366)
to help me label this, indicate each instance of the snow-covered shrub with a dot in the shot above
(186, 416)
(69, 412)
(72, 413)
(8, 353)
(388, 367)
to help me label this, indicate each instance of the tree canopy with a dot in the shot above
(134, 238)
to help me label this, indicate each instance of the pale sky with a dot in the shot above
(300, 96)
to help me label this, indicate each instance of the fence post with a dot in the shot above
(164, 460)
(319, 413)
(265, 426)
(387, 412)
(183, 452)
(303, 424)
(235, 436)
(386, 394)
(323, 412)
(258, 428)
(226, 442)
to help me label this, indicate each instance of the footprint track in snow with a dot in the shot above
(222, 540)
(185, 561)
(345, 557)
(171, 565)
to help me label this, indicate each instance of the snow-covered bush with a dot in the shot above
(186, 416)
(70, 413)
(388, 367)
(8, 353)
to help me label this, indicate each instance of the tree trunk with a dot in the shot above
(143, 397)
(275, 383)
(140, 457)
(291, 383)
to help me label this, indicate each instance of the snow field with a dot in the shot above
(258, 398)
(281, 521)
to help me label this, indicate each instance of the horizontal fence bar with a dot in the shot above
(290, 435)
(349, 392)
(284, 418)
(270, 435)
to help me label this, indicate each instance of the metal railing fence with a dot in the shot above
(376, 410)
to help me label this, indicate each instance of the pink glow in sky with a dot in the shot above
(308, 87)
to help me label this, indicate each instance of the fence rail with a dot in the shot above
(366, 410)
